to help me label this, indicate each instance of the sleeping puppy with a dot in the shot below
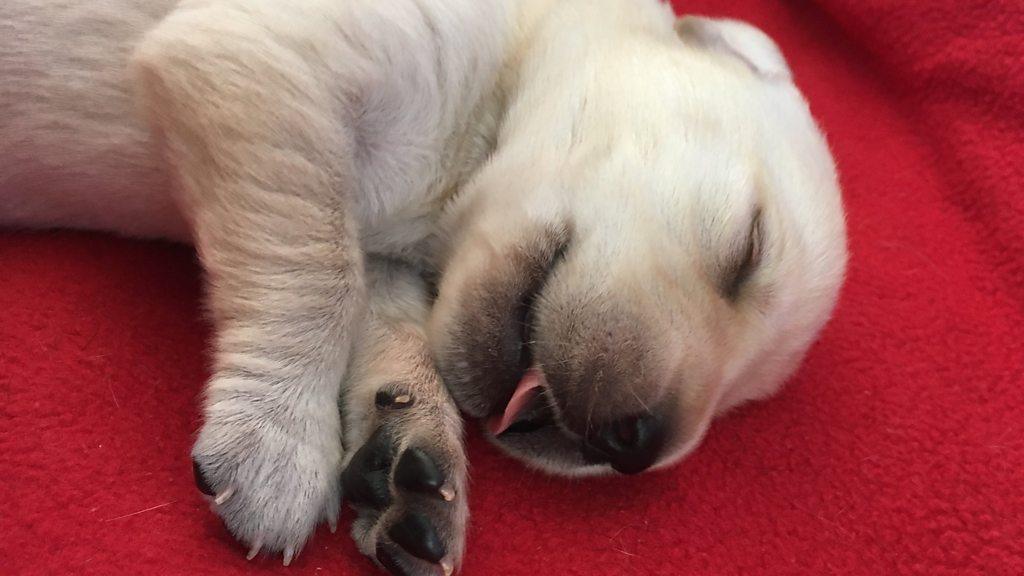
(597, 225)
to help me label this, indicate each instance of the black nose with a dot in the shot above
(630, 445)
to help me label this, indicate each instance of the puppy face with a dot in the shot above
(649, 246)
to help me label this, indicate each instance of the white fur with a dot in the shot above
(301, 144)
(71, 150)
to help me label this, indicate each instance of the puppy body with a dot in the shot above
(72, 151)
(589, 169)
(295, 145)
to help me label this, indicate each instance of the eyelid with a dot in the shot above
(756, 238)
(739, 273)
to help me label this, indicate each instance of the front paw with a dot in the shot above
(272, 476)
(408, 484)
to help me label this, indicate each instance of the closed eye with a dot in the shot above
(745, 262)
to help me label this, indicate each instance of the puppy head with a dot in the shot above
(650, 245)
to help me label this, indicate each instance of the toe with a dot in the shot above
(418, 472)
(415, 533)
(387, 556)
(365, 480)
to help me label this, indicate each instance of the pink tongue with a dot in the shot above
(526, 390)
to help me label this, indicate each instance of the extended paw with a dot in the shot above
(407, 482)
(269, 484)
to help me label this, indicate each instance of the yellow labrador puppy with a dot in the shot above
(599, 226)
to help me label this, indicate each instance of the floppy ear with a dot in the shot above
(737, 39)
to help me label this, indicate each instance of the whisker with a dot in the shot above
(643, 404)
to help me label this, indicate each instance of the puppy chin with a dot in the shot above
(550, 451)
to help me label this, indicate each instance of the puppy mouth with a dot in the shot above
(528, 429)
(526, 410)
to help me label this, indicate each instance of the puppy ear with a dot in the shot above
(737, 39)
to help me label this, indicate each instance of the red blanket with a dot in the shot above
(897, 449)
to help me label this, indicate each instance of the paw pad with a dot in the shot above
(417, 472)
(406, 504)
(393, 400)
(201, 481)
(365, 482)
(418, 537)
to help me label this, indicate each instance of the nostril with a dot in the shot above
(631, 445)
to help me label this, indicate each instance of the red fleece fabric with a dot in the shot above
(897, 449)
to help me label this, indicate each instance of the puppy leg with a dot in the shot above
(262, 167)
(407, 473)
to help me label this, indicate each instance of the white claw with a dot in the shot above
(254, 550)
(331, 515)
(447, 567)
(403, 399)
(289, 553)
(224, 496)
(448, 494)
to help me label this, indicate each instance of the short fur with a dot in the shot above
(580, 176)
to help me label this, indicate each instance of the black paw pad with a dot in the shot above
(201, 482)
(390, 562)
(365, 480)
(417, 536)
(417, 472)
